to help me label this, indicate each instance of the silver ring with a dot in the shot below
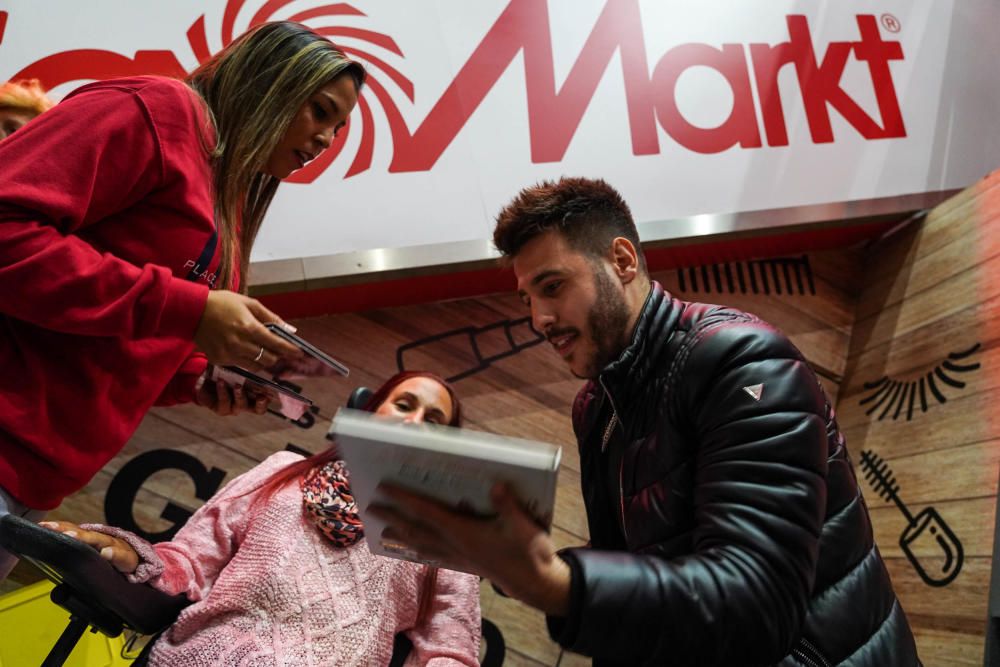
(259, 354)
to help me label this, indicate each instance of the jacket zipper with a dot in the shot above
(814, 657)
(608, 430)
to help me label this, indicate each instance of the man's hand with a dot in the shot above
(511, 549)
(223, 400)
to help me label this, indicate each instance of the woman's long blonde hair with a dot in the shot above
(253, 89)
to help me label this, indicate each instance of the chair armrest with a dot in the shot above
(79, 566)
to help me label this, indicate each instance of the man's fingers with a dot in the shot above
(416, 507)
(424, 548)
(410, 529)
(503, 499)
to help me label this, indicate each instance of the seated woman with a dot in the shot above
(278, 574)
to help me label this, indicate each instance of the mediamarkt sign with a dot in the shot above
(718, 107)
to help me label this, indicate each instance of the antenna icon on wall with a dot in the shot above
(924, 533)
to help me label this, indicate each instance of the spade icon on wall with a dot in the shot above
(924, 533)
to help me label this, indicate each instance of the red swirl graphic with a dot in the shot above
(358, 43)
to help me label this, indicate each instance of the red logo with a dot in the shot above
(555, 112)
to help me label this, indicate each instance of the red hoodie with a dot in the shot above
(106, 230)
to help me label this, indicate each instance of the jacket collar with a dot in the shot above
(625, 378)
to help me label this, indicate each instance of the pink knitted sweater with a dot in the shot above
(268, 589)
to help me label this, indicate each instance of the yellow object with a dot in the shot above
(30, 624)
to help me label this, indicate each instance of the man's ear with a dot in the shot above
(624, 259)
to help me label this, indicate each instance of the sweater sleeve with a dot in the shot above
(451, 633)
(192, 561)
(756, 413)
(92, 156)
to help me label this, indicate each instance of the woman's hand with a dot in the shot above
(224, 400)
(232, 332)
(122, 556)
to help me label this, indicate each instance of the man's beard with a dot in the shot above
(607, 325)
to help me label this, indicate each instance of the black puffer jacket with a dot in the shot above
(710, 454)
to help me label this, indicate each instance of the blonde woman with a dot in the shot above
(20, 101)
(127, 216)
(278, 573)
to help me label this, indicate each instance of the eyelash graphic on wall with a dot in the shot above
(927, 524)
(780, 275)
(469, 335)
(895, 393)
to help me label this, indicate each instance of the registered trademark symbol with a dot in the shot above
(891, 23)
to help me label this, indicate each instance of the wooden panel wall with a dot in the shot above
(523, 390)
(919, 405)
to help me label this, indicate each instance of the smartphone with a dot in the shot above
(289, 403)
(316, 363)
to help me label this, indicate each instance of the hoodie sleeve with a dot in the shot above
(181, 388)
(93, 155)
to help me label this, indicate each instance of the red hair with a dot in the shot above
(299, 469)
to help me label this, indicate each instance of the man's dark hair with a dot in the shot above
(589, 214)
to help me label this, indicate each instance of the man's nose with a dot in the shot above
(542, 318)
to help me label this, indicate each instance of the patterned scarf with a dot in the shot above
(329, 503)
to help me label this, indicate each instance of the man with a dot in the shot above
(726, 523)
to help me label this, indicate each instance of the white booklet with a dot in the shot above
(456, 466)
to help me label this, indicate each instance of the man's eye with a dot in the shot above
(552, 287)
(403, 405)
